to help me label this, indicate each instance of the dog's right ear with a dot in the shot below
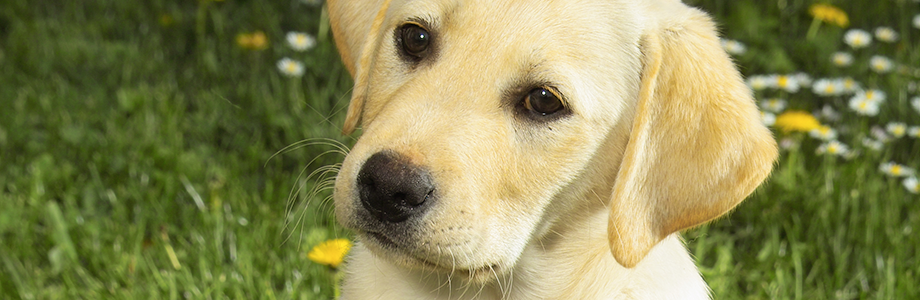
(356, 27)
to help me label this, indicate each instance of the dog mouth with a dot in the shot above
(411, 259)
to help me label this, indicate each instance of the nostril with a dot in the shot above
(393, 189)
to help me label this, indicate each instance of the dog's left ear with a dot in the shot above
(356, 27)
(697, 146)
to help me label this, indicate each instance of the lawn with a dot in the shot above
(155, 150)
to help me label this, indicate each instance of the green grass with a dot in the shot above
(136, 157)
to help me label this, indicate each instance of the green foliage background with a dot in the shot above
(138, 142)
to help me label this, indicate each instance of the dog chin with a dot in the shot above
(386, 249)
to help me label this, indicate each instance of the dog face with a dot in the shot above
(486, 122)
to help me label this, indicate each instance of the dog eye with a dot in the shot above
(543, 102)
(413, 41)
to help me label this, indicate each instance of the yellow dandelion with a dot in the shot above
(252, 41)
(330, 253)
(829, 14)
(796, 121)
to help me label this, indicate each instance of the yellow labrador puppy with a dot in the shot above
(544, 149)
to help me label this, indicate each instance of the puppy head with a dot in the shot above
(485, 122)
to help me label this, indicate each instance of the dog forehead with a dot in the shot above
(584, 47)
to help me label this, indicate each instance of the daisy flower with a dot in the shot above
(788, 144)
(733, 47)
(873, 144)
(915, 102)
(768, 119)
(290, 67)
(879, 133)
(796, 121)
(916, 21)
(857, 38)
(300, 41)
(330, 253)
(912, 184)
(895, 170)
(785, 82)
(886, 34)
(774, 105)
(863, 106)
(827, 112)
(880, 64)
(823, 133)
(827, 87)
(913, 131)
(850, 85)
(833, 148)
(872, 95)
(896, 129)
(802, 79)
(842, 59)
(758, 82)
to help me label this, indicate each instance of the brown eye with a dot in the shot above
(542, 102)
(413, 41)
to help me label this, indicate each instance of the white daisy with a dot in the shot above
(886, 34)
(828, 112)
(774, 105)
(833, 148)
(872, 95)
(804, 80)
(913, 131)
(915, 102)
(300, 41)
(896, 170)
(733, 47)
(879, 133)
(912, 185)
(864, 107)
(917, 21)
(827, 87)
(850, 85)
(767, 119)
(857, 38)
(758, 82)
(880, 64)
(290, 67)
(785, 82)
(873, 144)
(842, 59)
(896, 129)
(823, 133)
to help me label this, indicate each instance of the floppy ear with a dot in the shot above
(356, 27)
(697, 146)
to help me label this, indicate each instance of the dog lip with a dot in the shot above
(390, 245)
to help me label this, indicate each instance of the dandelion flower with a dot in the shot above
(768, 119)
(863, 106)
(912, 185)
(886, 34)
(915, 102)
(913, 131)
(300, 41)
(857, 38)
(896, 129)
(842, 59)
(733, 47)
(774, 105)
(880, 64)
(823, 133)
(252, 41)
(896, 170)
(290, 67)
(829, 14)
(330, 253)
(796, 121)
(833, 147)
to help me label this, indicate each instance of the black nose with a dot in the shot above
(392, 189)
